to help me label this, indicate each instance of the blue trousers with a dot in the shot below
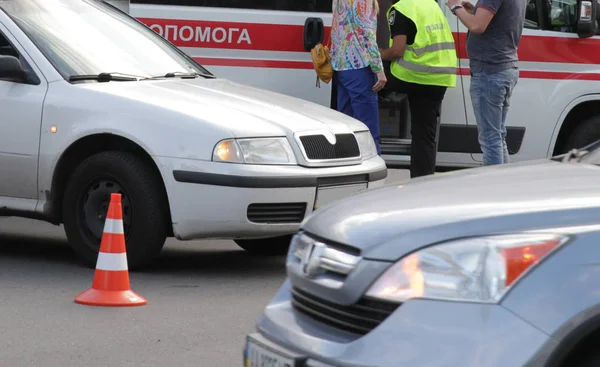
(490, 96)
(356, 98)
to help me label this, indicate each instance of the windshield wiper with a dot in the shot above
(192, 75)
(574, 155)
(577, 154)
(107, 77)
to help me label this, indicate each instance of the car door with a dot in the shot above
(20, 121)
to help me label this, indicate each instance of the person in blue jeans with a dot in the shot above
(495, 28)
(356, 61)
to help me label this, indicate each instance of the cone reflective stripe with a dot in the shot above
(111, 280)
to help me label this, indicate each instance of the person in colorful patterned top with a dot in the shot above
(355, 59)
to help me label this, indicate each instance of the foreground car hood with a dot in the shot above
(243, 110)
(389, 222)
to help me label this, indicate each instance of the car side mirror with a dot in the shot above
(11, 69)
(314, 32)
(586, 18)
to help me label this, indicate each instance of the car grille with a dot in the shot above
(276, 212)
(317, 147)
(359, 318)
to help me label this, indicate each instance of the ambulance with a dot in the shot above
(554, 108)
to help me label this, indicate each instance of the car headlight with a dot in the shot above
(480, 269)
(366, 144)
(255, 151)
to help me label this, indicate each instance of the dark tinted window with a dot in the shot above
(320, 6)
(531, 15)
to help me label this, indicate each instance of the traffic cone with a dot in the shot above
(111, 279)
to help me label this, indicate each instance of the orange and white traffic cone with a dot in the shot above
(111, 280)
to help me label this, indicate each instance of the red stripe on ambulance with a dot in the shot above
(229, 35)
(288, 38)
(254, 63)
(571, 50)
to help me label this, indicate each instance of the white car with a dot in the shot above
(93, 102)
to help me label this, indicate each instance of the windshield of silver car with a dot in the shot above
(87, 37)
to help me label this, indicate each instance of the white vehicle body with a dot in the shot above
(555, 106)
(157, 139)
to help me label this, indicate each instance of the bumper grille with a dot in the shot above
(317, 147)
(276, 212)
(359, 318)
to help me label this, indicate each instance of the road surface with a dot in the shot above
(203, 297)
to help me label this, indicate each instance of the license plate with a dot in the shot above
(259, 356)
(329, 194)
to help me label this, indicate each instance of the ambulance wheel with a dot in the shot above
(586, 133)
(273, 246)
(143, 204)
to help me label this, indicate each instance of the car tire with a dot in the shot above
(586, 133)
(144, 206)
(273, 246)
(589, 359)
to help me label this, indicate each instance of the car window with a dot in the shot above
(7, 49)
(531, 15)
(88, 37)
(563, 15)
(318, 6)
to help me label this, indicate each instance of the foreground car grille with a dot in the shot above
(276, 212)
(359, 318)
(317, 147)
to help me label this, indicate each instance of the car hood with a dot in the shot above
(244, 110)
(387, 223)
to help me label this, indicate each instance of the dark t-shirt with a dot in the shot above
(495, 49)
(400, 25)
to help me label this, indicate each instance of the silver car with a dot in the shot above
(487, 267)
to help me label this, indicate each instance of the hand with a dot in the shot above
(468, 6)
(451, 3)
(381, 80)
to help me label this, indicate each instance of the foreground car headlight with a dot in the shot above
(366, 144)
(254, 151)
(480, 269)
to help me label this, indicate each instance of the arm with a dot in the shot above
(400, 28)
(476, 22)
(396, 51)
(364, 26)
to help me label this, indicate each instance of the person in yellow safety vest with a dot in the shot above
(423, 65)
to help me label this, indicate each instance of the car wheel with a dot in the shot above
(586, 133)
(589, 359)
(143, 201)
(273, 246)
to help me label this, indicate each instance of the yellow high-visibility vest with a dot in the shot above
(431, 59)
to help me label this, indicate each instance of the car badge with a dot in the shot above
(311, 261)
(330, 137)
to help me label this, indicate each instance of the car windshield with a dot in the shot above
(88, 37)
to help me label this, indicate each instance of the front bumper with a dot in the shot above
(418, 333)
(212, 200)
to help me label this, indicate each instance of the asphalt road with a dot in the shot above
(203, 297)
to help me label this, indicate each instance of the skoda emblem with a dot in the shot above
(330, 137)
(311, 261)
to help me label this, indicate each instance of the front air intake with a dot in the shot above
(273, 213)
